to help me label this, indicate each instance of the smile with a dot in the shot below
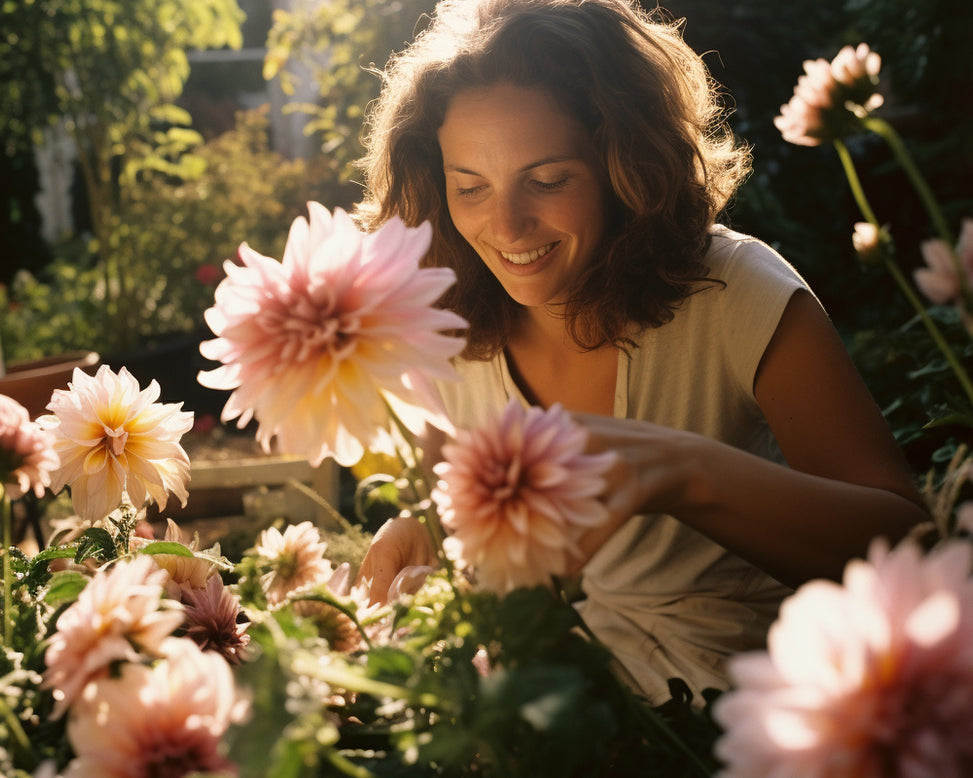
(527, 257)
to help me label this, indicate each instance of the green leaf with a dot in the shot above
(97, 543)
(166, 547)
(65, 587)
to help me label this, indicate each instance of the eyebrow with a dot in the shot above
(552, 160)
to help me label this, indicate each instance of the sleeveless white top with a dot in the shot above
(665, 599)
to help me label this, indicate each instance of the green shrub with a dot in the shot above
(171, 237)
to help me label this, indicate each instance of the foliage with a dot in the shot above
(333, 45)
(447, 681)
(173, 235)
(110, 72)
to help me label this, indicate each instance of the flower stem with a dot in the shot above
(7, 519)
(417, 476)
(854, 182)
(859, 194)
(887, 132)
(21, 741)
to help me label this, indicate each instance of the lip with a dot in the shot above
(533, 267)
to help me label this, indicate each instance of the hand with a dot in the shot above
(400, 543)
(652, 472)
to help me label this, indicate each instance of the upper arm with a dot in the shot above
(819, 408)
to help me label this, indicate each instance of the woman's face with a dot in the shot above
(524, 188)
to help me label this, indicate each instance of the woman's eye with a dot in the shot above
(550, 186)
(468, 191)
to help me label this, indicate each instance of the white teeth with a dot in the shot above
(528, 256)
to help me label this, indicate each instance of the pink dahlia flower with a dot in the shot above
(166, 720)
(26, 451)
(828, 96)
(516, 494)
(295, 558)
(213, 622)
(112, 438)
(869, 679)
(940, 280)
(118, 614)
(316, 345)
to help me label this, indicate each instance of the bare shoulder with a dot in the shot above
(819, 407)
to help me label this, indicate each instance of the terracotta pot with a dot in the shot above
(31, 383)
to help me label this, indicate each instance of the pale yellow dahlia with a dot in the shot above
(114, 438)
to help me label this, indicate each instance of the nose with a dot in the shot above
(512, 218)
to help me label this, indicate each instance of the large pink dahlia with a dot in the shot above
(119, 615)
(113, 437)
(26, 451)
(166, 720)
(316, 345)
(869, 679)
(516, 494)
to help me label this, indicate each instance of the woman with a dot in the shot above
(571, 158)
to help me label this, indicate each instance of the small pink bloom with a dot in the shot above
(517, 493)
(296, 560)
(112, 438)
(166, 720)
(316, 345)
(940, 280)
(26, 451)
(212, 620)
(119, 614)
(828, 95)
(872, 679)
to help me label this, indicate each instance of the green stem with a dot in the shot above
(859, 194)
(16, 730)
(885, 130)
(339, 677)
(7, 519)
(961, 375)
(854, 182)
(417, 477)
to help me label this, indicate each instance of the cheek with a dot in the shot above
(463, 222)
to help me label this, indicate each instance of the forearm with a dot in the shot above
(794, 525)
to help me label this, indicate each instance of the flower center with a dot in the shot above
(115, 439)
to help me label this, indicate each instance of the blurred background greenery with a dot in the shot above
(143, 140)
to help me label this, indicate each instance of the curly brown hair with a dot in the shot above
(656, 123)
